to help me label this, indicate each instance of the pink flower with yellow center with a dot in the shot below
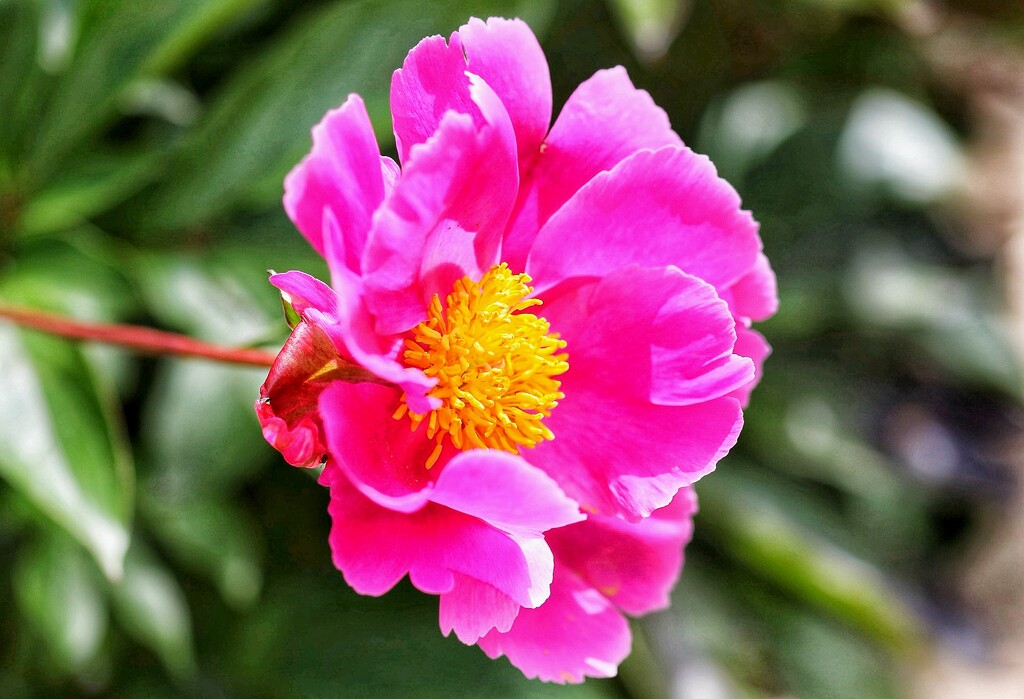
(534, 341)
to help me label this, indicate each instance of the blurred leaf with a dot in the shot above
(651, 25)
(90, 187)
(314, 637)
(20, 92)
(63, 445)
(642, 673)
(706, 624)
(948, 313)
(767, 540)
(212, 538)
(763, 639)
(58, 592)
(151, 607)
(200, 433)
(259, 126)
(899, 146)
(116, 42)
(860, 6)
(163, 98)
(55, 446)
(222, 296)
(827, 662)
(745, 126)
(79, 273)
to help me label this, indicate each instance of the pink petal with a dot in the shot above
(598, 454)
(508, 493)
(431, 82)
(505, 53)
(629, 342)
(287, 408)
(380, 455)
(344, 318)
(444, 217)
(482, 568)
(576, 634)
(391, 173)
(656, 208)
(374, 547)
(635, 565)
(604, 121)
(304, 292)
(651, 334)
(473, 608)
(367, 541)
(602, 419)
(504, 490)
(340, 176)
(750, 343)
(755, 295)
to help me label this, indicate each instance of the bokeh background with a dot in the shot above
(863, 539)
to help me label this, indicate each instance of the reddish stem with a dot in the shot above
(135, 337)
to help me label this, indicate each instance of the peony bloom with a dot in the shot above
(534, 340)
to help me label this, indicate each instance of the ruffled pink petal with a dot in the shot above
(454, 552)
(750, 343)
(596, 459)
(686, 444)
(340, 176)
(444, 217)
(306, 292)
(604, 121)
(343, 317)
(431, 82)
(478, 481)
(300, 442)
(380, 455)
(374, 547)
(576, 634)
(472, 608)
(650, 334)
(391, 173)
(629, 341)
(755, 295)
(635, 565)
(506, 54)
(655, 208)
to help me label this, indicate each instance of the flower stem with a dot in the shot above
(138, 338)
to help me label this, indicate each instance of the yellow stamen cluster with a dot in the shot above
(495, 365)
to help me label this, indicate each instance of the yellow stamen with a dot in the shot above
(495, 365)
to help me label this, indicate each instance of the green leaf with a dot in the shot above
(61, 442)
(222, 296)
(651, 25)
(87, 187)
(152, 608)
(55, 446)
(21, 81)
(57, 591)
(259, 126)
(766, 539)
(199, 429)
(213, 538)
(115, 43)
(200, 432)
(389, 647)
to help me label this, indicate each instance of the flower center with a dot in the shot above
(495, 365)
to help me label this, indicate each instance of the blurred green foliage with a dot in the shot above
(156, 546)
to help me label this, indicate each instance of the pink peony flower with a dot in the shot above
(533, 342)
